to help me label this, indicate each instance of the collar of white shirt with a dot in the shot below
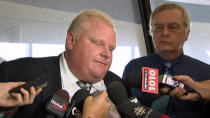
(68, 80)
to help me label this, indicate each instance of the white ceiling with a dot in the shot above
(203, 2)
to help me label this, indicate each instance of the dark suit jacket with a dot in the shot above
(27, 69)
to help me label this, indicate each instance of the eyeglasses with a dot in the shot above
(173, 27)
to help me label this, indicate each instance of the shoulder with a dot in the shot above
(30, 60)
(25, 68)
(195, 62)
(197, 69)
(147, 58)
(142, 61)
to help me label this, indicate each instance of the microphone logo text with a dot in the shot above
(150, 80)
(58, 106)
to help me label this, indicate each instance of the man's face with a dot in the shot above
(91, 55)
(168, 31)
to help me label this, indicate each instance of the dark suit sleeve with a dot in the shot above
(3, 72)
(27, 69)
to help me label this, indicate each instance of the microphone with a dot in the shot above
(57, 106)
(118, 94)
(133, 110)
(112, 113)
(134, 80)
(75, 108)
(76, 105)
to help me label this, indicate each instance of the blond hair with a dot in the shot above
(80, 22)
(169, 6)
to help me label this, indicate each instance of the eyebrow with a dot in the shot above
(95, 40)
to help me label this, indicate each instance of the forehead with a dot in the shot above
(98, 29)
(168, 16)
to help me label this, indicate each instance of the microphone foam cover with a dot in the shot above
(133, 80)
(63, 94)
(117, 92)
(80, 96)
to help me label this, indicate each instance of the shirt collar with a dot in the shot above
(69, 79)
(173, 62)
(66, 72)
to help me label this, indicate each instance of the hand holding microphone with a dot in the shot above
(96, 107)
(150, 81)
(200, 89)
(167, 84)
(15, 99)
(10, 102)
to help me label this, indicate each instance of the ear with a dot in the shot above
(70, 40)
(187, 34)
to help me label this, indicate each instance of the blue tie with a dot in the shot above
(167, 67)
(161, 104)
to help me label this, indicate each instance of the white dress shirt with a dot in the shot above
(69, 84)
(68, 80)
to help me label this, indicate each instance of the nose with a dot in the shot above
(165, 30)
(106, 53)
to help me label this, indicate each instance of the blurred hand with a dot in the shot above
(97, 107)
(202, 87)
(16, 99)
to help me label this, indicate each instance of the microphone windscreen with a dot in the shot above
(133, 110)
(63, 94)
(80, 96)
(76, 105)
(58, 104)
(117, 92)
(133, 80)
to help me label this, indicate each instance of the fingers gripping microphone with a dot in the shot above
(57, 106)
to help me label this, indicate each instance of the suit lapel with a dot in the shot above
(52, 75)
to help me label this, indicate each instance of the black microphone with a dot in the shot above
(57, 106)
(133, 110)
(76, 105)
(118, 94)
(134, 80)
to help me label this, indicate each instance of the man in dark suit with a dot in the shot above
(90, 40)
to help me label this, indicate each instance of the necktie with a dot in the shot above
(161, 104)
(84, 85)
(167, 67)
